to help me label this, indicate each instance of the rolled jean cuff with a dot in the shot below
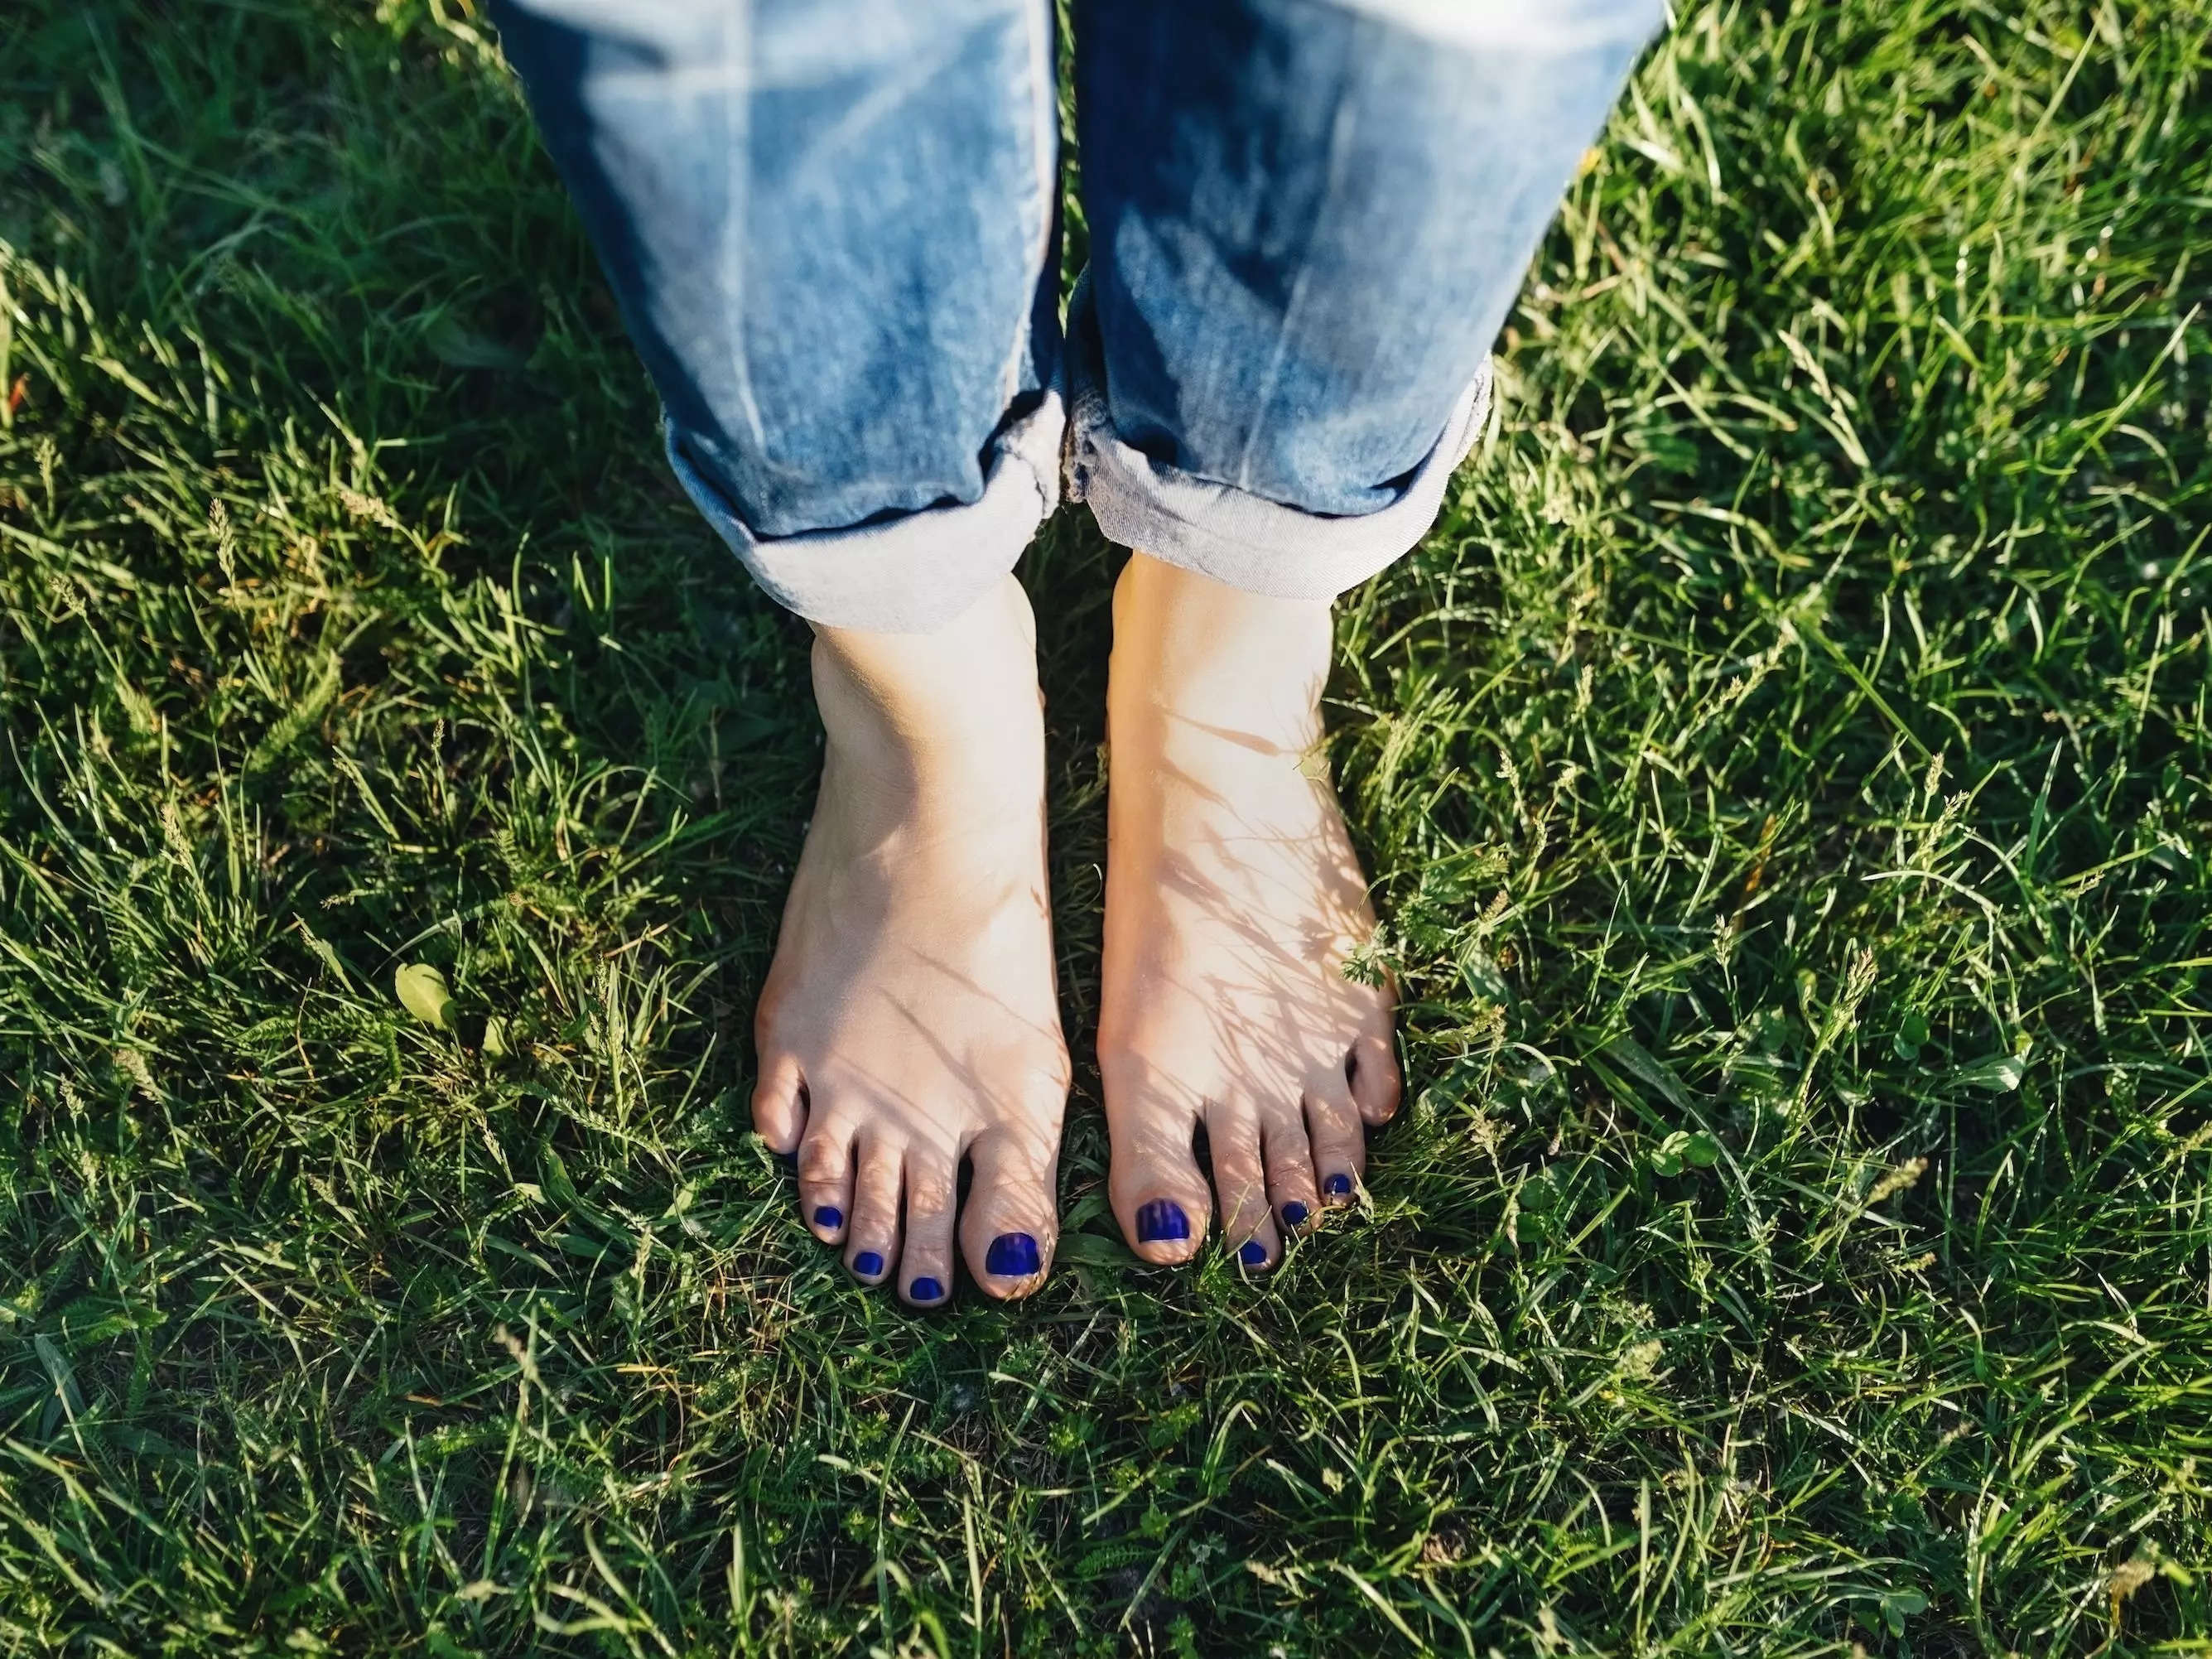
(1230, 534)
(913, 572)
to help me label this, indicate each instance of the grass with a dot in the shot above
(1786, 771)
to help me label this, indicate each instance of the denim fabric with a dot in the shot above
(1231, 534)
(827, 223)
(1308, 224)
(830, 224)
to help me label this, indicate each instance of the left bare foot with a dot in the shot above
(1233, 901)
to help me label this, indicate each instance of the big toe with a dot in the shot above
(1008, 1227)
(1159, 1194)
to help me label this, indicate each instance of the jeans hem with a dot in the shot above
(915, 573)
(1230, 534)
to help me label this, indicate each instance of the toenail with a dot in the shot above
(926, 1290)
(1294, 1214)
(1012, 1256)
(1253, 1254)
(828, 1218)
(1338, 1186)
(868, 1264)
(1162, 1219)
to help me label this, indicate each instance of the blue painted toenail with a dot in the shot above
(828, 1218)
(868, 1264)
(926, 1290)
(1338, 1186)
(1294, 1214)
(1162, 1219)
(1012, 1256)
(1253, 1254)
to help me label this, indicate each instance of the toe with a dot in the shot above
(825, 1180)
(1240, 1183)
(872, 1242)
(1339, 1147)
(1292, 1192)
(925, 1256)
(1370, 1070)
(1008, 1227)
(779, 1105)
(1159, 1194)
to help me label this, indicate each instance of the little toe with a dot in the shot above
(1239, 1182)
(825, 1179)
(1293, 1191)
(871, 1244)
(925, 1255)
(1370, 1070)
(1009, 1226)
(1340, 1145)
(779, 1105)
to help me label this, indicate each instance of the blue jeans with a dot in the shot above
(832, 227)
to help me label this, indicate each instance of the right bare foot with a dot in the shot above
(910, 1019)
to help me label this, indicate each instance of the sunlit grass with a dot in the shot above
(1786, 772)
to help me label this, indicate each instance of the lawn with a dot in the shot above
(1785, 770)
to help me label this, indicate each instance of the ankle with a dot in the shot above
(956, 710)
(1243, 665)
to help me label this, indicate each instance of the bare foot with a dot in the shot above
(1233, 899)
(910, 1019)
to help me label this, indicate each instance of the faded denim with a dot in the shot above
(831, 227)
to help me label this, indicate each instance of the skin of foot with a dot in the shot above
(910, 1019)
(1233, 899)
